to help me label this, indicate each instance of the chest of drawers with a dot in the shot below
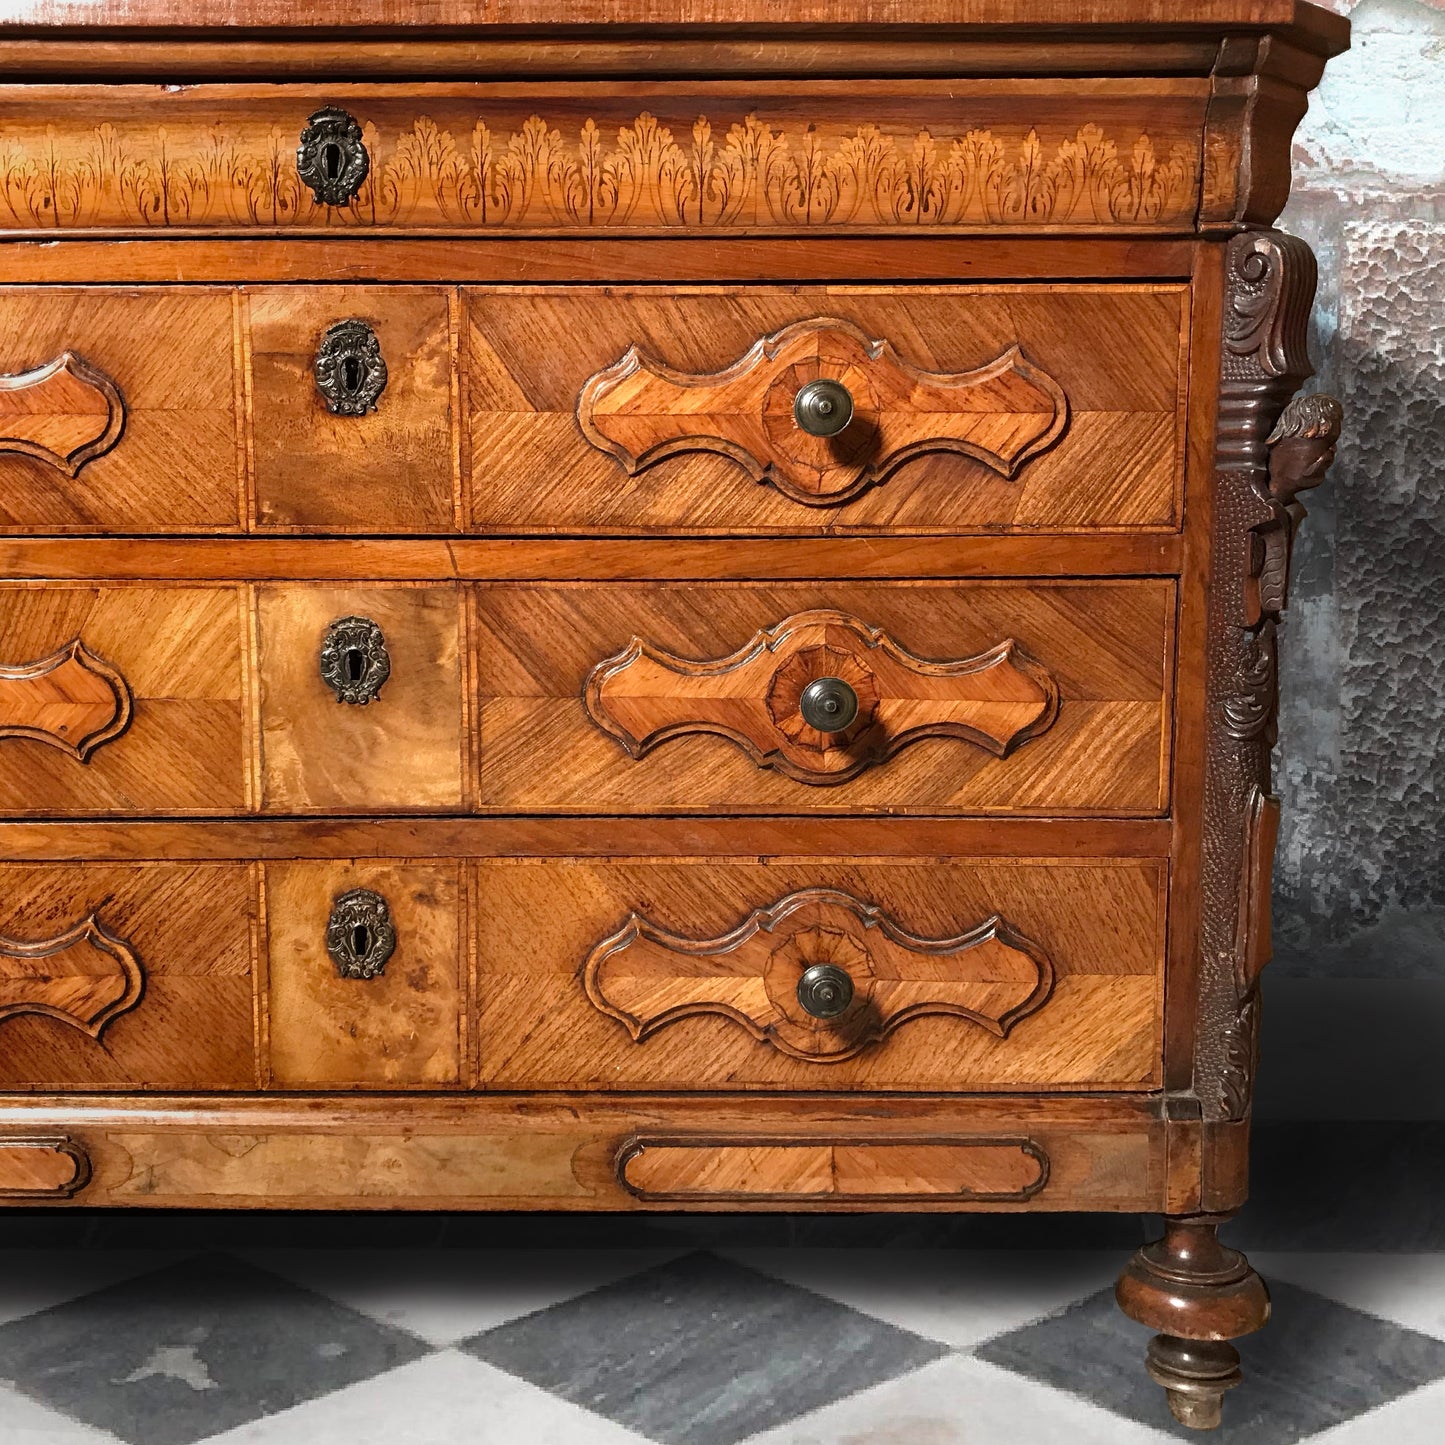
(612, 612)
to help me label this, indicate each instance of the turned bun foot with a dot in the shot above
(1199, 1294)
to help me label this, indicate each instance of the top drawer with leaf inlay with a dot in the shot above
(769, 410)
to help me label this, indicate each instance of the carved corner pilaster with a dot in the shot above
(1268, 450)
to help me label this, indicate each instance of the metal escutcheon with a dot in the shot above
(823, 408)
(349, 370)
(828, 704)
(360, 936)
(825, 991)
(332, 158)
(354, 660)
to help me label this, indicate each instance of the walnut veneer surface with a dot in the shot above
(611, 610)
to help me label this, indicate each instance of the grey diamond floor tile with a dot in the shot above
(701, 1351)
(1316, 1364)
(171, 1357)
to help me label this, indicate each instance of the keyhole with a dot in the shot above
(331, 160)
(361, 940)
(352, 375)
(355, 664)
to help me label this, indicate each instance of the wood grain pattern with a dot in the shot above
(647, 978)
(402, 1028)
(711, 155)
(402, 753)
(168, 352)
(72, 700)
(178, 651)
(41, 1168)
(977, 1170)
(1107, 647)
(64, 413)
(641, 411)
(185, 924)
(1115, 351)
(1099, 924)
(84, 976)
(388, 470)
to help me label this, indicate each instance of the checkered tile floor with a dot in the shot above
(680, 1345)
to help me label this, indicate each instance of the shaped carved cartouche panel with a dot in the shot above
(85, 977)
(998, 700)
(1266, 452)
(65, 413)
(41, 1168)
(648, 977)
(742, 172)
(71, 700)
(973, 1170)
(641, 410)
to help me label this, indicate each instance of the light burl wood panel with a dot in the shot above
(178, 652)
(188, 929)
(401, 1028)
(170, 353)
(401, 752)
(389, 470)
(1116, 353)
(1105, 645)
(1100, 925)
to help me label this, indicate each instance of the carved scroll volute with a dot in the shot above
(1266, 453)
(641, 411)
(71, 700)
(757, 697)
(758, 975)
(65, 413)
(84, 977)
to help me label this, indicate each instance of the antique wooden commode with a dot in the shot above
(606, 611)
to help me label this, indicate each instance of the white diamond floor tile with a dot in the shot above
(444, 1399)
(27, 1422)
(1414, 1419)
(1406, 1288)
(445, 1295)
(960, 1297)
(36, 1279)
(960, 1401)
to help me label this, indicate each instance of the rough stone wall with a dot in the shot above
(1360, 876)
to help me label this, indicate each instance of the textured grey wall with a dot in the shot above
(1360, 881)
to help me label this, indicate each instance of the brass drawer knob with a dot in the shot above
(825, 990)
(354, 660)
(332, 158)
(828, 704)
(349, 370)
(360, 936)
(823, 408)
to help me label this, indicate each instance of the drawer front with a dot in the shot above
(130, 976)
(963, 408)
(120, 699)
(427, 410)
(969, 697)
(596, 158)
(821, 974)
(120, 410)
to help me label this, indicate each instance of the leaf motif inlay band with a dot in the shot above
(755, 697)
(804, 172)
(647, 977)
